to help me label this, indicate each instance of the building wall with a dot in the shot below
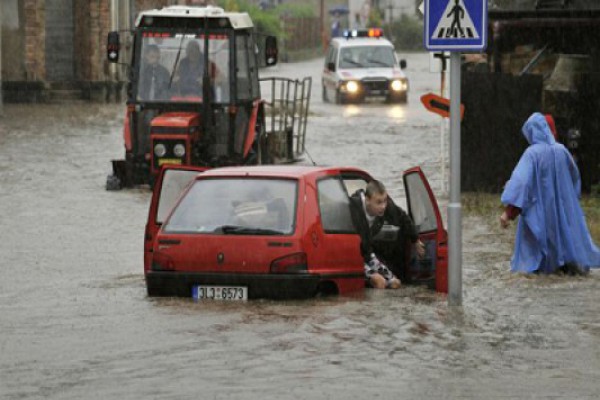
(24, 39)
(13, 65)
(37, 48)
(35, 40)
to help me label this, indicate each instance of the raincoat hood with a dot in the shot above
(536, 130)
(546, 186)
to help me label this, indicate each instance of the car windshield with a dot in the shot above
(367, 57)
(236, 206)
(171, 67)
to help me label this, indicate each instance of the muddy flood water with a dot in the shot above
(75, 321)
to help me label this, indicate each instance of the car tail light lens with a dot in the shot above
(293, 263)
(162, 262)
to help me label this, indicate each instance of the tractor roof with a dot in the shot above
(237, 20)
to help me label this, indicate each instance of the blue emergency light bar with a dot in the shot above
(361, 33)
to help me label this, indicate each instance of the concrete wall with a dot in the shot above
(13, 65)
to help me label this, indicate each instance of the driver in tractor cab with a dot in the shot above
(191, 71)
(154, 78)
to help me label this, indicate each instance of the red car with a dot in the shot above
(272, 231)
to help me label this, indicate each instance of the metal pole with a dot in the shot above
(454, 206)
(1, 93)
(443, 154)
(443, 130)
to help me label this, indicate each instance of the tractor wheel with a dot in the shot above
(113, 183)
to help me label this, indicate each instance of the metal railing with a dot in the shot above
(286, 113)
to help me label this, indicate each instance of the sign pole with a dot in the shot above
(454, 206)
(443, 128)
(1, 93)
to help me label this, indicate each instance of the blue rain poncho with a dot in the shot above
(546, 186)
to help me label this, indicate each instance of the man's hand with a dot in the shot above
(504, 221)
(420, 247)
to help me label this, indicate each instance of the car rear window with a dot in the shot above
(334, 205)
(237, 206)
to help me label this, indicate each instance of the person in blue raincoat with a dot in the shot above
(544, 189)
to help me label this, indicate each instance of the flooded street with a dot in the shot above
(75, 321)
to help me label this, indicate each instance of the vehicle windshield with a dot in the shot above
(171, 67)
(367, 57)
(236, 207)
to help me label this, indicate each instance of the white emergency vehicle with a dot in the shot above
(363, 64)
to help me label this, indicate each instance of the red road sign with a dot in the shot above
(439, 105)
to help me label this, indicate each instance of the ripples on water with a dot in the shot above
(76, 322)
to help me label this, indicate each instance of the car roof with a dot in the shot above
(355, 42)
(271, 171)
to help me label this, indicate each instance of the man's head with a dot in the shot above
(193, 50)
(375, 198)
(152, 54)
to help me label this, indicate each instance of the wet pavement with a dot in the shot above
(75, 321)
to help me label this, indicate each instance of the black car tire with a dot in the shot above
(113, 183)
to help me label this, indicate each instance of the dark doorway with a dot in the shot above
(59, 40)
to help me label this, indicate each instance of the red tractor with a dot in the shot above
(194, 96)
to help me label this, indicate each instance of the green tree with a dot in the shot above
(375, 20)
(265, 22)
(407, 33)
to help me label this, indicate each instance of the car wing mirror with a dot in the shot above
(331, 66)
(271, 51)
(113, 46)
(402, 64)
(388, 233)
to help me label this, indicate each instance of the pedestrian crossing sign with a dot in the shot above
(455, 25)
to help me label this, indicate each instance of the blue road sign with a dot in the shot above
(455, 25)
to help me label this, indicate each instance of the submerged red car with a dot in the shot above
(272, 231)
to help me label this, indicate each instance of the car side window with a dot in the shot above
(244, 88)
(334, 206)
(354, 183)
(173, 184)
(421, 208)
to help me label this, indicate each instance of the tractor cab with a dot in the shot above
(194, 96)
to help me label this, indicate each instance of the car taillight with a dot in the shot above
(292, 263)
(162, 262)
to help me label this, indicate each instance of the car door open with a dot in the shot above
(432, 269)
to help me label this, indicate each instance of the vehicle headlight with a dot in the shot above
(352, 87)
(160, 150)
(398, 85)
(179, 150)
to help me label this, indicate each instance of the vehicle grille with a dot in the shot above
(169, 155)
(376, 85)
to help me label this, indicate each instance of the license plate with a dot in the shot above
(163, 161)
(230, 293)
